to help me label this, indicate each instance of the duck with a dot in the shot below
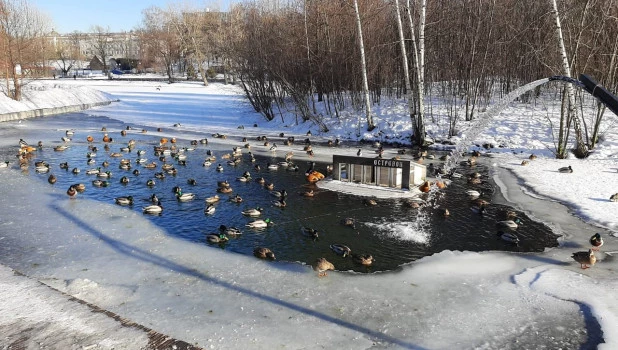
(349, 222)
(280, 203)
(220, 168)
(532, 156)
(253, 212)
(154, 199)
(136, 172)
(236, 199)
(309, 193)
(60, 148)
(192, 182)
(613, 197)
(223, 183)
(124, 180)
(566, 169)
(71, 192)
(263, 253)
(75, 171)
(217, 238)
(510, 224)
(104, 174)
(269, 186)
(473, 194)
(310, 232)
(79, 187)
(209, 210)
(341, 249)
(224, 190)
(425, 187)
(260, 223)
(508, 237)
(279, 194)
(100, 183)
(150, 182)
(370, 201)
(445, 212)
(63, 165)
(212, 199)
(597, 241)
(272, 166)
(128, 200)
(230, 231)
(322, 265)
(153, 209)
(185, 197)
(585, 259)
(364, 259)
(207, 163)
(52, 179)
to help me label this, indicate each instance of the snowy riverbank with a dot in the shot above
(119, 261)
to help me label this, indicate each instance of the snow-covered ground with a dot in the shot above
(118, 260)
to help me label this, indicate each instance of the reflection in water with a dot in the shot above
(392, 232)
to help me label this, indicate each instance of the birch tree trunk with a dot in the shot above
(581, 150)
(404, 56)
(418, 48)
(359, 28)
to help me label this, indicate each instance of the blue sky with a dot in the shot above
(119, 15)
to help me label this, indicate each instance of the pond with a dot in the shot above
(392, 232)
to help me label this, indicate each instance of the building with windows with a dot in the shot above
(391, 173)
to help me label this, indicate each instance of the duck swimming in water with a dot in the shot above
(217, 238)
(263, 253)
(128, 200)
(260, 223)
(341, 249)
(153, 209)
(364, 259)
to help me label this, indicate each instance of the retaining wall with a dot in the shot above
(44, 112)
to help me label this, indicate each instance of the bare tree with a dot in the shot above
(22, 30)
(160, 40)
(101, 43)
(361, 46)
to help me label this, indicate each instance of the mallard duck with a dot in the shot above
(272, 166)
(104, 174)
(341, 249)
(128, 200)
(613, 197)
(269, 186)
(349, 222)
(364, 259)
(253, 212)
(566, 169)
(100, 183)
(586, 259)
(223, 183)
(445, 212)
(42, 169)
(75, 171)
(52, 179)
(219, 168)
(209, 210)
(225, 190)
(473, 194)
(425, 187)
(279, 194)
(60, 148)
(63, 165)
(281, 203)
(136, 172)
(230, 231)
(207, 163)
(309, 193)
(322, 265)
(185, 197)
(90, 161)
(151, 165)
(153, 209)
(71, 192)
(532, 156)
(79, 187)
(150, 182)
(370, 202)
(236, 199)
(154, 199)
(124, 180)
(213, 199)
(508, 237)
(310, 232)
(263, 253)
(260, 223)
(597, 241)
(510, 224)
(260, 180)
(217, 238)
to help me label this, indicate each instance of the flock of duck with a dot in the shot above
(169, 155)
